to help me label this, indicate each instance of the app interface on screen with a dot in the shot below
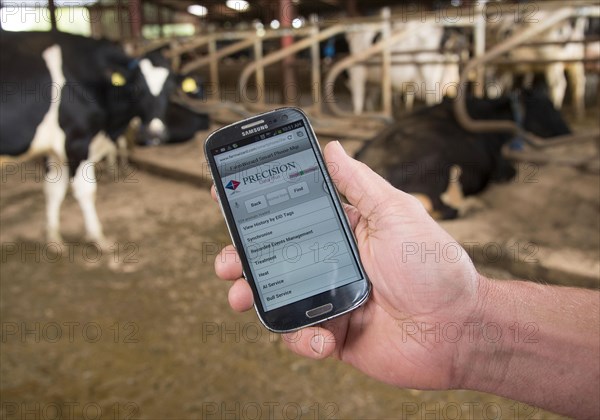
(291, 233)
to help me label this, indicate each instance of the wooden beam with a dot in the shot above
(135, 18)
(119, 14)
(160, 20)
(287, 13)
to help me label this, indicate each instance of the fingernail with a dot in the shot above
(317, 343)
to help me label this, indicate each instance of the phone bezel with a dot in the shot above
(293, 316)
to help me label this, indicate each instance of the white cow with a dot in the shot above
(427, 82)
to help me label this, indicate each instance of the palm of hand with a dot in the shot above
(386, 337)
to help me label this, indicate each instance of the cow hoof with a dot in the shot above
(54, 238)
(100, 242)
(470, 206)
(448, 213)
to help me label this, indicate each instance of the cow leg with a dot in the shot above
(442, 210)
(454, 196)
(56, 184)
(435, 206)
(504, 85)
(104, 148)
(576, 75)
(357, 84)
(555, 76)
(84, 186)
(123, 151)
(409, 101)
(111, 159)
(84, 189)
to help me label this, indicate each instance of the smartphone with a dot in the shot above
(286, 220)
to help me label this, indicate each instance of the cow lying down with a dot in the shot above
(430, 155)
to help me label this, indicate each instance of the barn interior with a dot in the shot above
(140, 327)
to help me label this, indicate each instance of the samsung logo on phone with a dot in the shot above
(254, 130)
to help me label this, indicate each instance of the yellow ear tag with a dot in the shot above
(117, 79)
(189, 85)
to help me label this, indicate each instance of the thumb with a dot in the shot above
(362, 187)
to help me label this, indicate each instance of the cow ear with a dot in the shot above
(117, 79)
(189, 85)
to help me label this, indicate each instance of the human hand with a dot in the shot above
(422, 279)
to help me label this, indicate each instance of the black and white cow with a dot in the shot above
(70, 99)
(426, 82)
(557, 74)
(419, 153)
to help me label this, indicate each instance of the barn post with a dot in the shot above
(160, 21)
(119, 17)
(315, 54)
(352, 8)
(386, 63)
(214, 67)
(135, 18)
(260, 70)
(52, 12)
(479, 48)
(96, 21)
(287, 13)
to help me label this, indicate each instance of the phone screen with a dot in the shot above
(283, 209)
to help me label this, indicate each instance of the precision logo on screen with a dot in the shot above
(232, 185)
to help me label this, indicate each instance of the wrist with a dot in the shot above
(537, 344)
(534, 343)
(485, 355)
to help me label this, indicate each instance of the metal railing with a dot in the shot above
(521, 37)
(515, 40)
(323, 92)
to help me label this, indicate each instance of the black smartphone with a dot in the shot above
(286, 220)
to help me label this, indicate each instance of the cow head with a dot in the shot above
(180, 121)
(155, 83)
(141, 88)
(540, 117)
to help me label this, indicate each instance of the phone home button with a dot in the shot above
(320, 310)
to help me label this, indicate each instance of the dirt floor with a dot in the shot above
(143, 330)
